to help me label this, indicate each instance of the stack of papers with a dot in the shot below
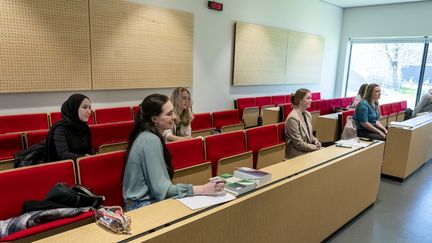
(197, 202)
(353, 143)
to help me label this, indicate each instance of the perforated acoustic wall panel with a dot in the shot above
(260, 54)
(44, 45)
(304, 58)
(140, 46)
(265, 55)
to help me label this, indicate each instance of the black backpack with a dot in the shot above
(34, 155)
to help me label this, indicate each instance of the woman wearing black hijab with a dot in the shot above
(70, 137)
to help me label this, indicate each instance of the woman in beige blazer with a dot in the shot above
(298, 126)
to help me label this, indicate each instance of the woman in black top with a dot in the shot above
(70, 137)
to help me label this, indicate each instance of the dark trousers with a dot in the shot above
(368, 134)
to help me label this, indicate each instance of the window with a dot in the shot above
(393, 63)
(427, 77)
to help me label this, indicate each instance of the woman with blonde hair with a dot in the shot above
(181, 99)
(298, 126)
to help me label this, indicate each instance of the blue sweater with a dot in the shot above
(365, 113)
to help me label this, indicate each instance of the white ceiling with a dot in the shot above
(358, 3)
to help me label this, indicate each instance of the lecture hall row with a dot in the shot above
(110, 127)
(109, 133)
(18, 134)
(274, 109)
(194, 161)
(289, 177)
(212, 155)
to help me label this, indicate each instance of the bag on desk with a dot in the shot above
(113, 219)
(350, 129)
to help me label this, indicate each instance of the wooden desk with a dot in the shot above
(327, 129)
(408, 149)
(310, 197)
(315, 115)
(270, 115)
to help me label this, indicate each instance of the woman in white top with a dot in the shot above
(181, 99)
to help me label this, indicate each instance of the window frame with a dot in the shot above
(383, 40)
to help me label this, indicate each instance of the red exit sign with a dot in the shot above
(215, 5)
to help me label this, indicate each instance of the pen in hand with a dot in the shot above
(218, 182)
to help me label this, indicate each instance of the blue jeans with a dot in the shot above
(131, 205)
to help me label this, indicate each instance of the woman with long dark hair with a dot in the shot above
(367, 115)
(148, 172)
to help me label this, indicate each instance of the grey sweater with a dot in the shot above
(425, 104)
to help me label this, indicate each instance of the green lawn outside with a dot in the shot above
(405, 90)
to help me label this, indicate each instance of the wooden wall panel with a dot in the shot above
(140, 46)
(260, 55)
(44, 45)
(266, 55)
(304, 58)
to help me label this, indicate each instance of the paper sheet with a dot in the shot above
(197, 202)
(354, 142)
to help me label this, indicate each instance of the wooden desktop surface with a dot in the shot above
(408, 149)
(418, 120)
(311, 199)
